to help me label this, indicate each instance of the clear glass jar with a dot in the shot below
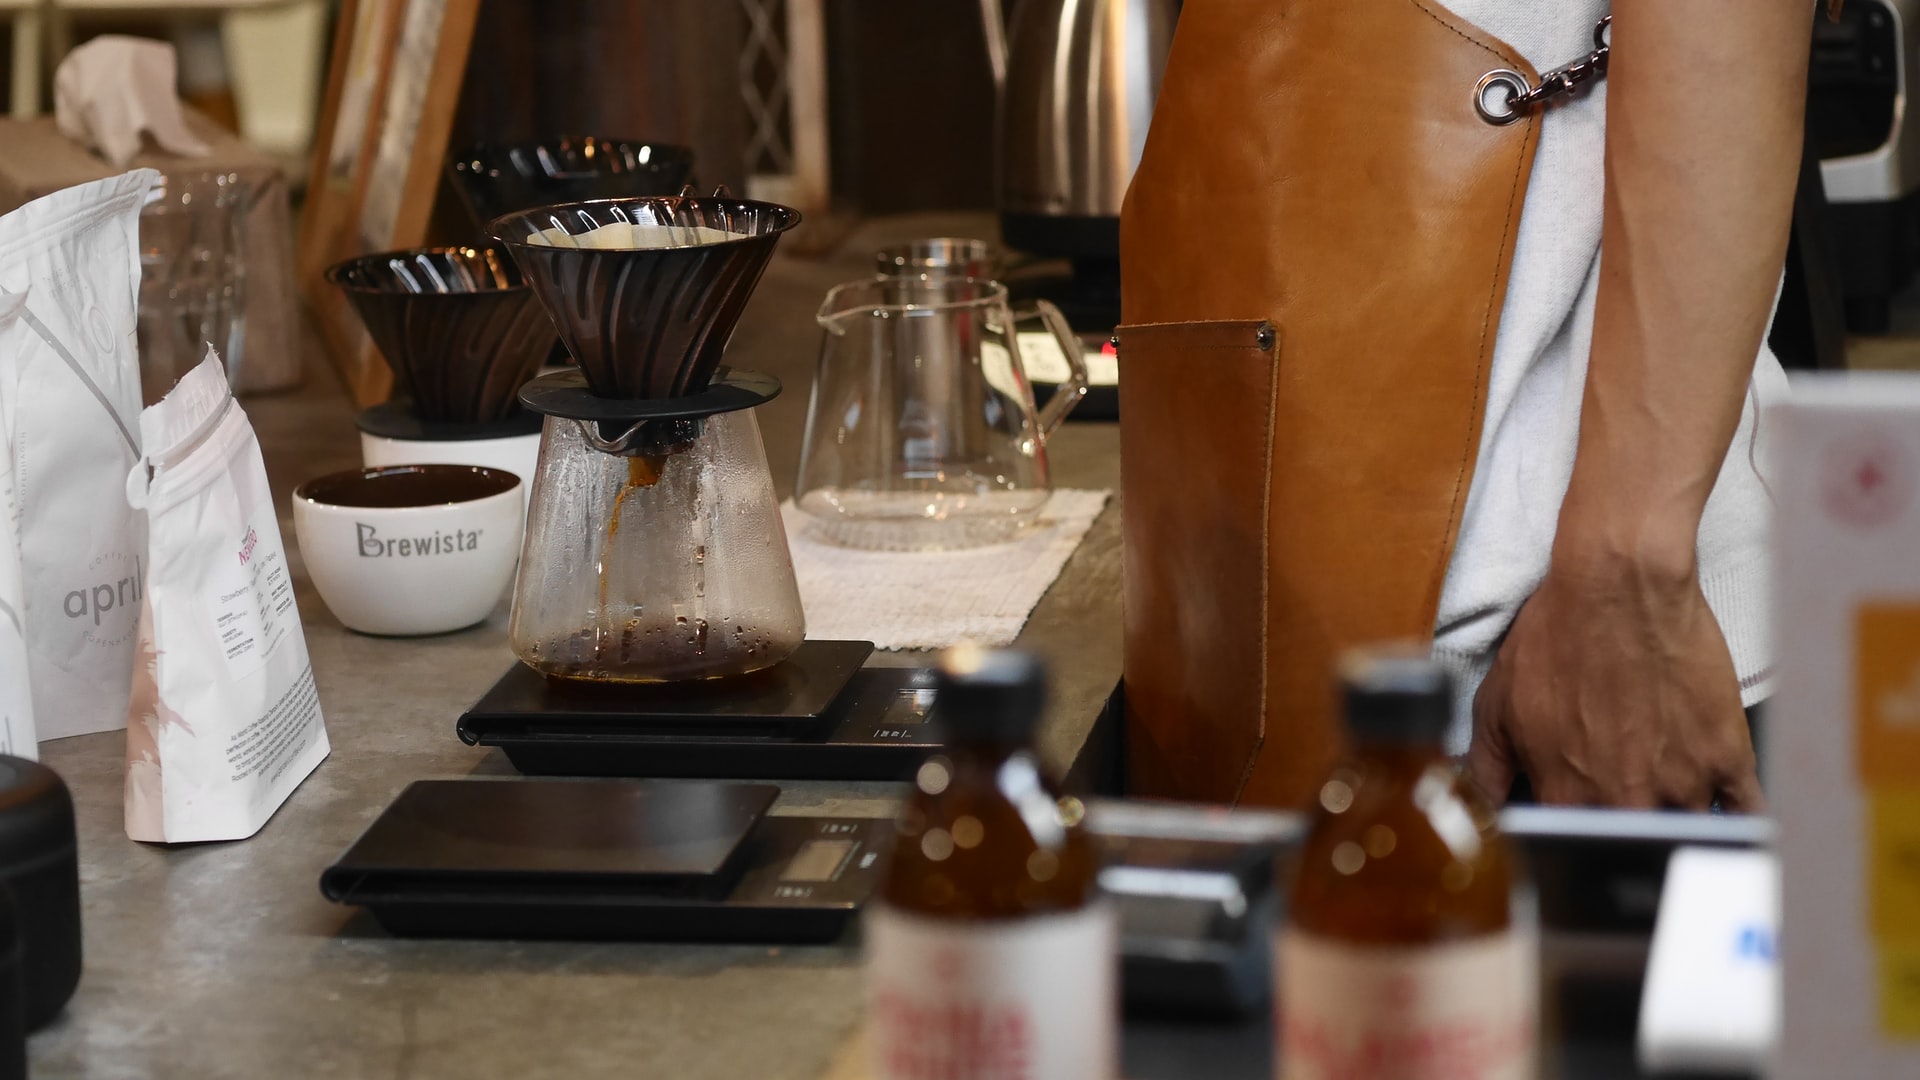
(661, 567)
(922, 432)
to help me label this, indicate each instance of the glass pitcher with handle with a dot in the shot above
(922, 431)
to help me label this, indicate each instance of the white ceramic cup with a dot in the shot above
(410, 549)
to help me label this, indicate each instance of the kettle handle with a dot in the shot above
(995, 26)
(1075, 388)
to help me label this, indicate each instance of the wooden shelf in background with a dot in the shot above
(392, 89)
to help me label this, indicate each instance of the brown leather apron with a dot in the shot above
(1315, 251)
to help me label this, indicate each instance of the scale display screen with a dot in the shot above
(912, 706)
(818, 861)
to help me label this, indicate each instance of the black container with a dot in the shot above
(495, 179)
(40, 868)
(13, 993)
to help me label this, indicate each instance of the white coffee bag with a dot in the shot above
(69, 405)
(224, 721)
(16, 696)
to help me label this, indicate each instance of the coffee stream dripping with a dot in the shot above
(615, 646)
(643, 471)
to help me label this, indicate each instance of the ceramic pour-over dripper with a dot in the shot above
(458, 326)
(654, 548)
(500, 178)
(646, 292)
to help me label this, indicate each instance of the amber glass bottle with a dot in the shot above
(1402, 957)
(990, 952)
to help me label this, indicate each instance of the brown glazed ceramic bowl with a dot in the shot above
(646, 322)
(458, 326)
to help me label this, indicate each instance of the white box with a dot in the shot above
(1711, 1001)
(1842, 737)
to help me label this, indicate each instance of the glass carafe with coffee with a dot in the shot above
(654, 549)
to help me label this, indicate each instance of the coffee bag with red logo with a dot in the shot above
(224, 720)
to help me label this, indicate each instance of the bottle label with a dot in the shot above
(1032, 999)
(1454, 1011)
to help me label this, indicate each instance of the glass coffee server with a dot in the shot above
(922, 431)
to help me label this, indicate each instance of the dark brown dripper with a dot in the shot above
(646, 322)
(458, 326)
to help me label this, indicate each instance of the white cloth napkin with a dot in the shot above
(113, 88)
(932, 599)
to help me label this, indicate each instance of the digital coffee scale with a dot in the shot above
(819, 714)
(687, 860)
(607, 860)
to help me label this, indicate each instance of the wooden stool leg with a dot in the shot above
(23, 95)
(57, 26)
(275, 59)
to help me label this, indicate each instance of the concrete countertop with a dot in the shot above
(223, 960)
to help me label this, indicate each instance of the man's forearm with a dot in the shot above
(1704, 129)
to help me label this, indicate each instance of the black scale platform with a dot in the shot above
(659, 860)
(820, 714)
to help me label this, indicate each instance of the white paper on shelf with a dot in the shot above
(115, 90)
(1040, 354)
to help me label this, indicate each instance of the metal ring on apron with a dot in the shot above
(1507, 109)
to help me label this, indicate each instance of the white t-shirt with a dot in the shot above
(1534, 392)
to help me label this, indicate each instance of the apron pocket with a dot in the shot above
(1197, 402)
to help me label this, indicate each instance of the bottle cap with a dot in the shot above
(1396, 693)
(989, 694)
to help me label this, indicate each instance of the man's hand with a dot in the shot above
(1615, 688)
(1614, 684)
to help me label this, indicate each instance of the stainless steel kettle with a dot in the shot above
(1077, 81)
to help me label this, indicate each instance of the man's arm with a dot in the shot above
(1614, 684)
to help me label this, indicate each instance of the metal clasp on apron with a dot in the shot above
(1503, 95)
